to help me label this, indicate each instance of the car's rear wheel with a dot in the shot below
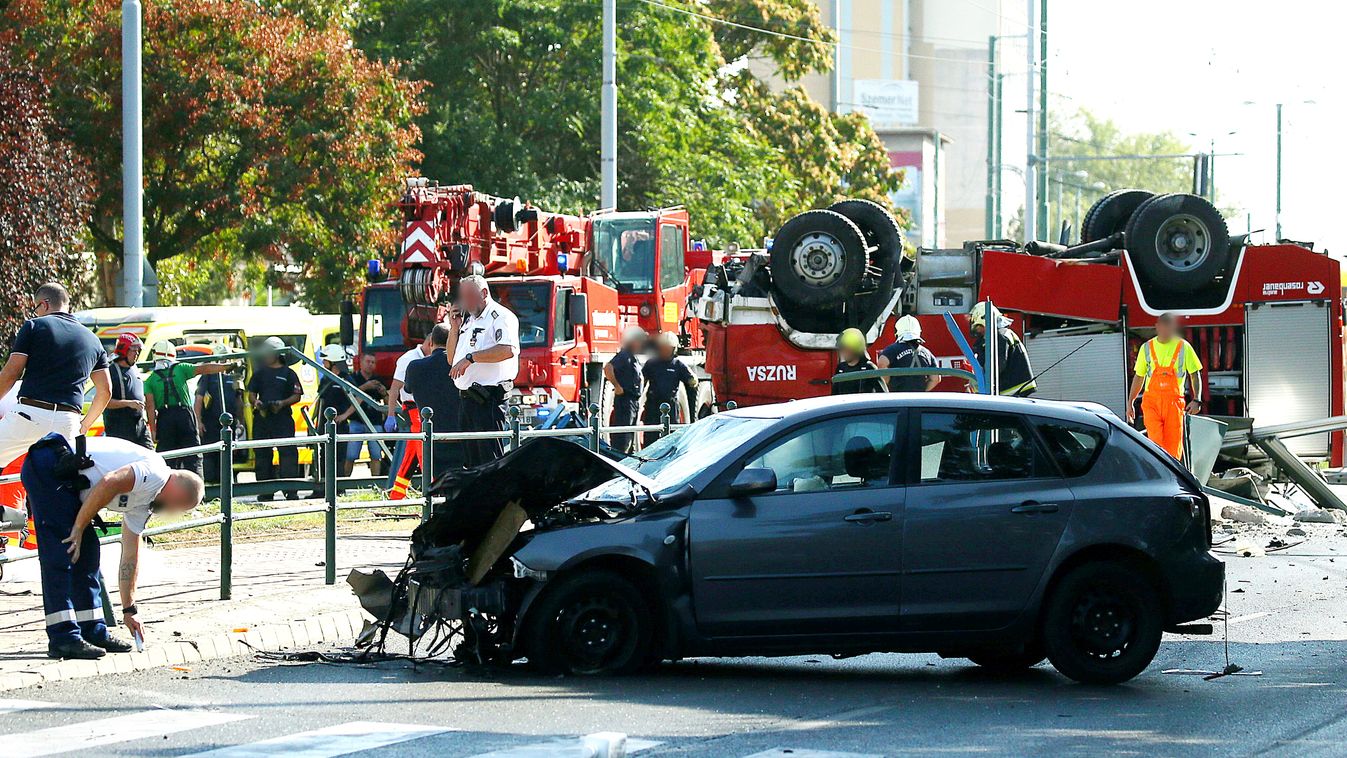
(592, 623)
(1102, 624)
(1010, 660)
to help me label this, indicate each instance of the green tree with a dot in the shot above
(263, 136)
(44, 203)
(513, 107)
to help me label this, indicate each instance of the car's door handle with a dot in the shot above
(1033, 506)
(867, 516)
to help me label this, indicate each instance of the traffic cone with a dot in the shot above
(29, 535)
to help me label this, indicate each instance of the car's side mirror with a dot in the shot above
(753, 481)
(577, 307)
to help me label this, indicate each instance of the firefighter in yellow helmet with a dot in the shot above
(851, 357)
(1016, 375)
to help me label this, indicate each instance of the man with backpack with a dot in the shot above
(169, 404)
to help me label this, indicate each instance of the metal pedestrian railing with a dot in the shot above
(329, 444)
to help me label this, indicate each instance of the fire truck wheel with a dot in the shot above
(882, 233)
(1110, 213)
(1178, 243)
(818, 258)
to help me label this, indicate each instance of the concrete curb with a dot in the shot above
(325, 628)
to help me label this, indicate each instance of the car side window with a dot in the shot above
(837, 454)
(1075, 447)
(966, 446)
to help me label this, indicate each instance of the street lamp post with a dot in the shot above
(133, 250)
(1277, 225)
(608, 138)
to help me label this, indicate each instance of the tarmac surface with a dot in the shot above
(1287, 619)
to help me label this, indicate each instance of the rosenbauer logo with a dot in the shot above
(1281, 289)
(771, 373)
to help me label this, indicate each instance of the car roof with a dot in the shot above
(801, 410)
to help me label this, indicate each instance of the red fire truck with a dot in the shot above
(1267, 320)
(575, 282)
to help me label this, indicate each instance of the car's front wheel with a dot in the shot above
(591, 623)
(1103, 624)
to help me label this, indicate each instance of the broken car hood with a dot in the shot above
(538, 475)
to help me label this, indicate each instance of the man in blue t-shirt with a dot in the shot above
(53, 355)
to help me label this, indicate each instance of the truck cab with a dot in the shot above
(644, 256)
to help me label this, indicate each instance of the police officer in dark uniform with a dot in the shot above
(484, 343)
(52, 357)
(431, 386)
(274, 388)
(623, 372)
(215, 396)
(125, 416)
(663, 375)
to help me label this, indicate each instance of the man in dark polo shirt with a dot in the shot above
(432, 387)
(53, 355)
(623, 372)
(273, 389)
(125, 415)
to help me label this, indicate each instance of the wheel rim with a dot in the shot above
(1103, 624)
(594, 632)
(1183, 242)
(818, 259)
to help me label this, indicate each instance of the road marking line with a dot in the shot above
(1248, 617)
(598, 745)
(110, 731)
(791, 752)
(14, 706)
(330, 741)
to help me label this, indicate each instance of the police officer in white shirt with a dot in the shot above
(484, 345)
(65, 494)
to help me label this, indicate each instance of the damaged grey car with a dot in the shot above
(1001, 530)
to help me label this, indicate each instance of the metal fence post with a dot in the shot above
(427, 460)
(226, 506)
(515, 426)
(330, 489)
(664, 412)
(596, 435)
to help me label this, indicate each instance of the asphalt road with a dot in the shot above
(1289, 623)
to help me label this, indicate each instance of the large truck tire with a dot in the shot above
(1178, 243)
(882, 233)
(818, 258)
(1110, 213)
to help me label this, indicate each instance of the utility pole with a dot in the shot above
(1000, 153)
(992, 167)
(1042, 151)
(1278, 218)
(133, 250)
(608, 158)
(1030, 168)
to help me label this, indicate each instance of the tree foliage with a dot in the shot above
(44, 200)
(513, 107)
(264, 136)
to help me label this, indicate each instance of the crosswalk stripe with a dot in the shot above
(109, 731)
(790, 752)
(14, 706)
(328, 742)
(590, 746)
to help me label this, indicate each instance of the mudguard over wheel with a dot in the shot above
(1178, 243)
(818, 258)
(591, 623)
(1102, 623)
(1110, 213)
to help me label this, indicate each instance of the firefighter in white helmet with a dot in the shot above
(908, 351)
(1016, 375)
(170, 405)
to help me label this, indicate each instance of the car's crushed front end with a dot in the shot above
(461, 585)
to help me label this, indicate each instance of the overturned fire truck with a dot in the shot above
(1266, 320)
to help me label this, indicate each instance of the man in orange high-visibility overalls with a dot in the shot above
(1163, 363)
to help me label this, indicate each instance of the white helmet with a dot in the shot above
(163, 350)
(273, 343)
(332, 353)
(908, 329)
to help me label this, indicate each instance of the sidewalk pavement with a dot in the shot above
(279, 601)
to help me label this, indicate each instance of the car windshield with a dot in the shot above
(625, 251)
(674, 460)
(530, 303)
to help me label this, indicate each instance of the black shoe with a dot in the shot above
(112, 644)
(267, 498)
(292, 495)
(77, 649)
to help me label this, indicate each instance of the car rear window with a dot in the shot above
(1075, 447)
(967, 446)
